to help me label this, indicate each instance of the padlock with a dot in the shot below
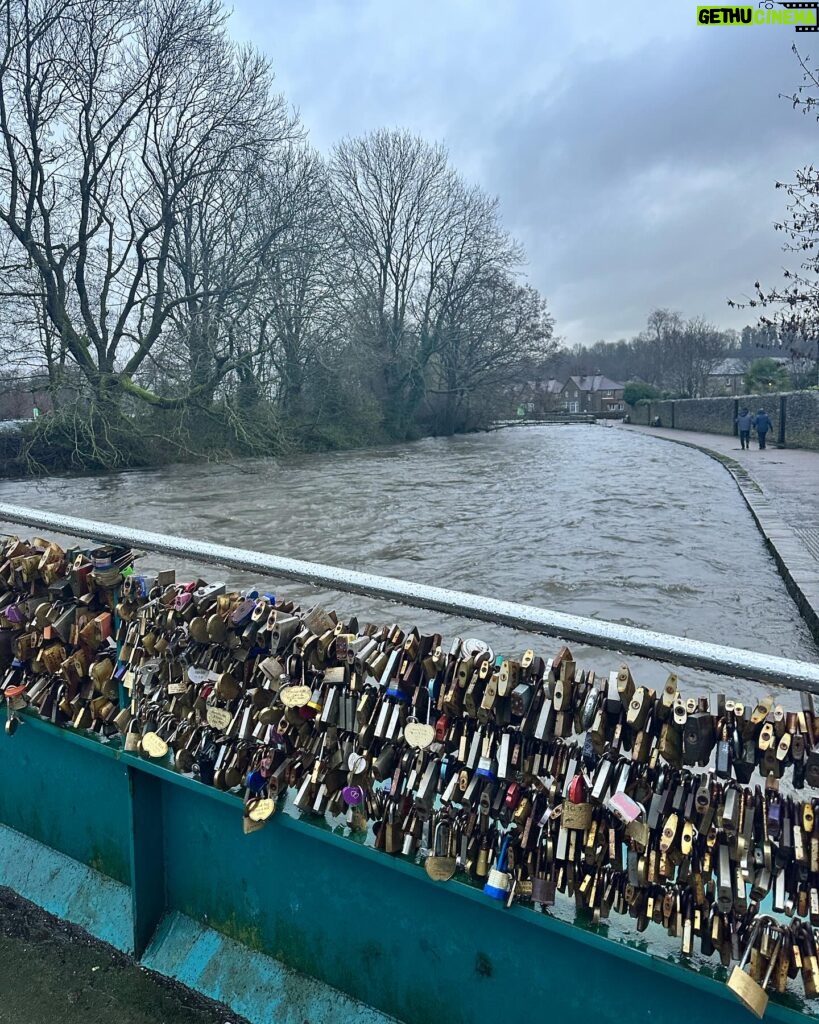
(439, 865)
(752, 995)
(812, 768)
(499, 880)
(725, 755)
(487, 765)
(698, 738)
(744, 765)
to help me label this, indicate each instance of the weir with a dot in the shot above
(157, 863)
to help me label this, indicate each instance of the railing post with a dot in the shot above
(147, 842)
(673, 422)
(782, 406)
(735, 430)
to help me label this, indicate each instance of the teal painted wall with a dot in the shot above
(67, 796)
(375, 928)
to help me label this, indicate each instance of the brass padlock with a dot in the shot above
(751, 994)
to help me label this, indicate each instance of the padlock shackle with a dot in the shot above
(503, 854)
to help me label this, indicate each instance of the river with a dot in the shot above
(584, 519)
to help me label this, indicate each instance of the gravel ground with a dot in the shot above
(54, 973)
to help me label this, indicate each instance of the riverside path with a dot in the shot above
(781, 488)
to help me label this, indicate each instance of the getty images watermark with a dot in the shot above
(803, 16)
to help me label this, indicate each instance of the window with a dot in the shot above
(608, 394)
(572, 406)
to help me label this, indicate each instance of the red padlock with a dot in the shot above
(441, 728)
(578, 790)
(513, 796)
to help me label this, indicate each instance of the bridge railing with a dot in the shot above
(718, 658)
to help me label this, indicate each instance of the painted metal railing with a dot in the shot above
(728, 661)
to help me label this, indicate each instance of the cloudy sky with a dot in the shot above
(634, 153)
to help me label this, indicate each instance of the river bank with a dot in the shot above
(54, 973)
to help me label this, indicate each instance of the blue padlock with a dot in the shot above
(497, 885)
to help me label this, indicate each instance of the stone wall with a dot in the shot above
(802, 419)
(716, 415)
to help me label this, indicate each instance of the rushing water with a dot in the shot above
(583, 519)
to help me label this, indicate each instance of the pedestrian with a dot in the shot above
(744, 421)
(762, 424)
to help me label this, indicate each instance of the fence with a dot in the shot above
(795, 415)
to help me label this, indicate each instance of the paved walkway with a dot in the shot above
(781, 487)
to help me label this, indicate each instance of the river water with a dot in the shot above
(584, 519)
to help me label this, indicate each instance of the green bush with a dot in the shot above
(637, 391)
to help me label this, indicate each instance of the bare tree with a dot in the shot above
(119, 120)
(791, 325)
(426, 251)
(388, 189)
(686, 351)
(487, 340)
(301, 296)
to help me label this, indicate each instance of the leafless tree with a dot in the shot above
(425, 252)
(123, 123)
(487, 341)
(682, 353)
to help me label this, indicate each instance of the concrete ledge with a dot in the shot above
(251, 984)
(67, 889)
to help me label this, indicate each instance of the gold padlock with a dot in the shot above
(751, 994)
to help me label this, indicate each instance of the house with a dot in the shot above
(727, 377)
(536, 397)
(23, 405)
(593, 393)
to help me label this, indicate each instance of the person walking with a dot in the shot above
(762, 424)
(744, 421)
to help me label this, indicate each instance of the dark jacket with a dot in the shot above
(744, 421)
(762, 423)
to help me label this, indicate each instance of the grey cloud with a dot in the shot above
(638, 170)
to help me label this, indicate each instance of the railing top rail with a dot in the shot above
(729, 661)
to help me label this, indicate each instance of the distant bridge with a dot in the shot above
(549, 417)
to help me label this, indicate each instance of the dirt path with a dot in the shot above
(53, 973)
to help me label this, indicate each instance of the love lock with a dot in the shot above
(12, 695)
(440, 865)
(752, 995)
(499, 880)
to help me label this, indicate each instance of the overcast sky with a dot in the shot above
(633, 151)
